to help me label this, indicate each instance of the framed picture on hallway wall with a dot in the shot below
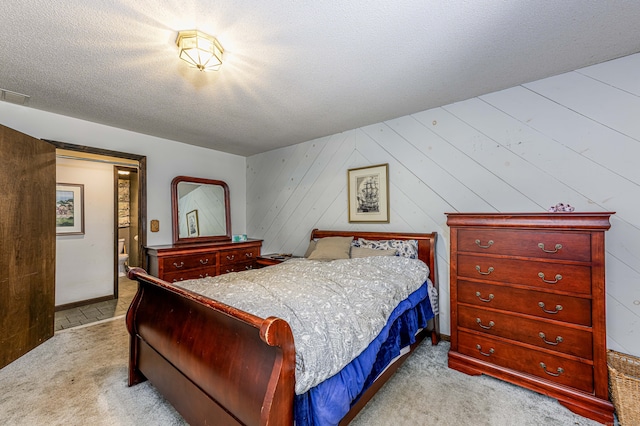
(369, 194)
(69, 209)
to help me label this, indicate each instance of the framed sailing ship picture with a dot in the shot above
(369, 194)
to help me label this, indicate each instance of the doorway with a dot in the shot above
(126, 227)
(129, 218)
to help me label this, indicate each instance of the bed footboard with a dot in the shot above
(214, 363)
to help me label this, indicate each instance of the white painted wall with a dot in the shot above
(572, 138)
(84, 263)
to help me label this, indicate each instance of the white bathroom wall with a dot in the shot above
(85, 263)
(572, 138)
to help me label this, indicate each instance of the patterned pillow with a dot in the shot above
(406, 248)
(357, 252)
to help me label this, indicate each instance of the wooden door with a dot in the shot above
(27, 243)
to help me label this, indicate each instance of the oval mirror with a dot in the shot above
(201, 210)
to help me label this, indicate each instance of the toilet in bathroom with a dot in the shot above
(122, 258)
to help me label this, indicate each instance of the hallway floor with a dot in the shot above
(93, 312)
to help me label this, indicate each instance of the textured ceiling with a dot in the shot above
(293, 70)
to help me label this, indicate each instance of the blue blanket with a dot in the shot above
(328, 402)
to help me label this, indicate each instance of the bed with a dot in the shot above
(218, 364)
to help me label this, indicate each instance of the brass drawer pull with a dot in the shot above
(557, 247)
(204, 261)
(233, 256)
(486, 327)
(558, 308)
(560, 370)
(489, 244)
(490, 270)
(249, 254)
(559, 339)
(491, 351)
(204, 276)
(178, 266)
(248, 267)
(478, 295)
(558, 278)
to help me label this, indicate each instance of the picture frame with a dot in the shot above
(368, 189)
(69, 209)
(193, 228)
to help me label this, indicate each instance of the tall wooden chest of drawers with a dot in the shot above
(187, 261)
(528, 303)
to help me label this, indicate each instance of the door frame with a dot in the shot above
(117, 168)
(142, 195)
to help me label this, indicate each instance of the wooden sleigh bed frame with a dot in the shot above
(219, 365)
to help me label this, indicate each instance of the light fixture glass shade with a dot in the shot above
(200, 50)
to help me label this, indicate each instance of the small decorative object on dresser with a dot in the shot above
(561, 207)
(528, 303)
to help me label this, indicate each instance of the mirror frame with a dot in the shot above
(174, 210)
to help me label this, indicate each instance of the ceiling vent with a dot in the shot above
(14, 97)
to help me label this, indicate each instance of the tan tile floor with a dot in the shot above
(93, 312)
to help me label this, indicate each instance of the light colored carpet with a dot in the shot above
(425, 391)
(79, 377)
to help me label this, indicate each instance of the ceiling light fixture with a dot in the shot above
(200, 50)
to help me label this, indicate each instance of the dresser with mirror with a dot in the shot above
(201, 229)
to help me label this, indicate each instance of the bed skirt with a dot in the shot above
(328, 402)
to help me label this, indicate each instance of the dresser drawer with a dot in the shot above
(193, 261)
(189, 261)
(546, 245)
(544, 275)
(190, 274)
(554, 368)
(576, 310)
(235, 256)
(238, 267)
(552, 336)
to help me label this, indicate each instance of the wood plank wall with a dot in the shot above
(573, 138)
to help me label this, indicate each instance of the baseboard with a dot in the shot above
(83, 302)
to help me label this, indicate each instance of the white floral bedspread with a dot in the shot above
(335, 309)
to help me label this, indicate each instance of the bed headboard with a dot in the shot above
(426, 244)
